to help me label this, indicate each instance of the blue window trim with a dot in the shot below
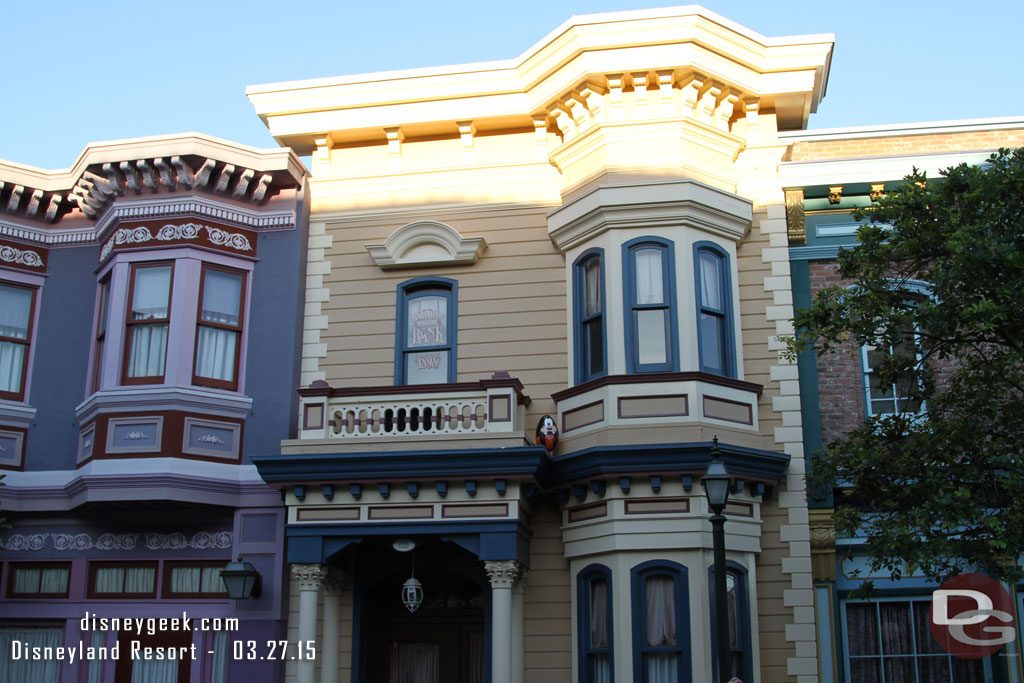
(630, 306)
(678, 574)
(578, 294)
(422, 286)
(728, 350)
(584, 651)
(739, 572)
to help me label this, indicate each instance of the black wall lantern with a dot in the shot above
(241, 580)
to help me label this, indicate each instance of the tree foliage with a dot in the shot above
(939, 283)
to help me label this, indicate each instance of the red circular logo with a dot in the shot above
(971, 616)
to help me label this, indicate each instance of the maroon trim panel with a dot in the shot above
(739, 509)
(657, 377)
(584, 512)
(566, 430)
(632, 506)
(686, 406)
(750, 411)
(17, 256)
(196, 231)
(172, 436)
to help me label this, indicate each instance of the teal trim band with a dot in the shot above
(821, 253)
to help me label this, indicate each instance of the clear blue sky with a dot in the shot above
(79, 72)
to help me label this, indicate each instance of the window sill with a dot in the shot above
(16, 413)
(161, 397)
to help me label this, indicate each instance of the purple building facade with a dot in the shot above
(150, 303)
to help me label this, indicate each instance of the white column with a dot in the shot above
(518, 592)
(502, 575)
(328, 653)
(309, 578)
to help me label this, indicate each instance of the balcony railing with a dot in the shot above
(494, 406)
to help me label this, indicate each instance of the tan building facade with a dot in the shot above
(595, 233)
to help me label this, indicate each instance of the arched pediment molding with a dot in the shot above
(426, 243)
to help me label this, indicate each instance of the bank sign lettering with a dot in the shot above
(972, 616)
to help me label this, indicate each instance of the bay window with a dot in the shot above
(714, 310)
(589, 336)
(594, 619)
(149, 315)
(219, 327)
(425, 345)
(649, 286)
(661, 647)
(17, 304)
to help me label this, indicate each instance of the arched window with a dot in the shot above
(714, 310)
(594, 625)
(589, 316)
(650, 312)
(425, 333)
(661, 623)
(738, 609)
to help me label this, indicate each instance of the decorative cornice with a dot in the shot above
(502, 573)
(188, 231)
(309, 576)
(426, 243)
(674, 203)
(151, 540)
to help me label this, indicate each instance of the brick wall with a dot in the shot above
(840, 392)
(907, 144)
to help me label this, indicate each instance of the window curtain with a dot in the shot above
(649, 282)
(710, 281)
(148, 353)
(139, 579)
(215, 353)
(222, 296)
(36, 671)
(601, 671)
(15, 312)
(54, 580)
(661, 628)
(592, 287)
(211, 582)
(186, 579)
(26, 580)
(155, 671)
(219, 661)
(414, 663)
(109, 580)
(96, 640)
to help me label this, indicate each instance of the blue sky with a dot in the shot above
(79, 72)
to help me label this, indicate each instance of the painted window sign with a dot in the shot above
(425, 343)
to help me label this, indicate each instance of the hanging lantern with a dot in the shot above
(412, 594)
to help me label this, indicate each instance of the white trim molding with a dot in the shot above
(426, 243)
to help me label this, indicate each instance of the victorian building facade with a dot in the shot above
(827, 175)
(594, 232)
(148, 346)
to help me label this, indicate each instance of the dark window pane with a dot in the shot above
(711, 281)
(711, 341)
(896, 630)
(968, 670)
(866, 670)
(933, 669)
(592, 287)
(861, 629)
(900, 670)
(594, 351)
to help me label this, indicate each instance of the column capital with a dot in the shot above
(520, 584)
(333, 581)
(309, 576)
(502, 573)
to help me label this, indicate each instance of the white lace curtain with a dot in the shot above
(215, 353)
(155, 671)
(22, 669)
(196, 580)
(414, 663)
(710, 281)
(649, 282)
(150, 298)
(661, 628)
(15, 312)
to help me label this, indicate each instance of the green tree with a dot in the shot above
(938, 286)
